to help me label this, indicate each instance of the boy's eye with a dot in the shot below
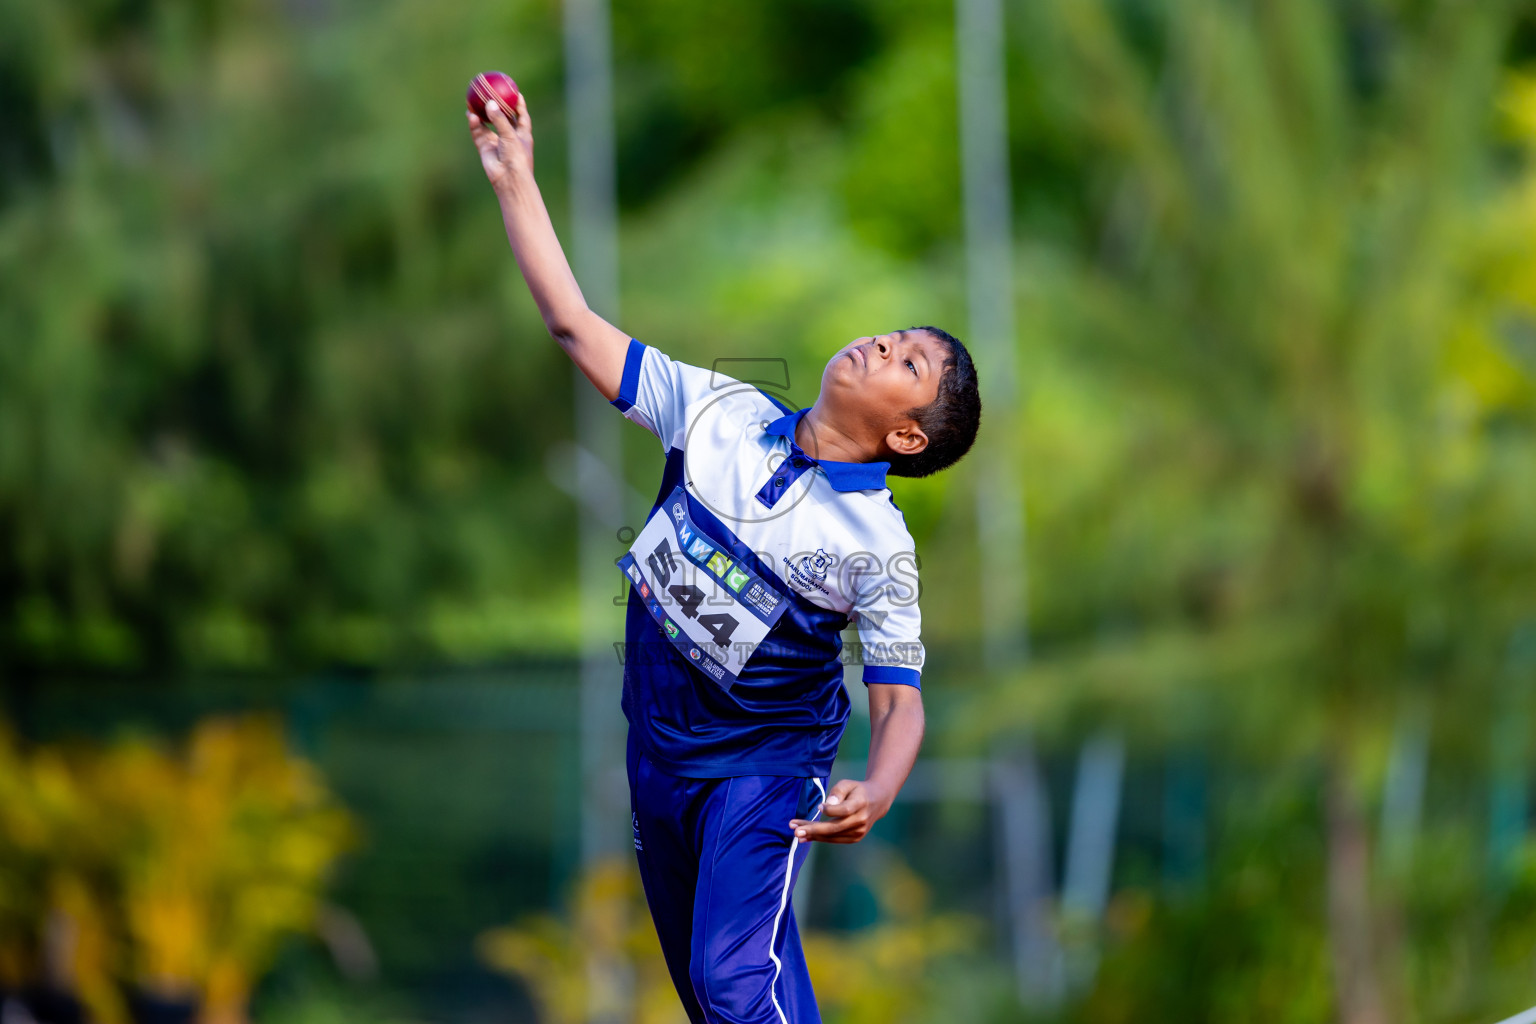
(911, 367)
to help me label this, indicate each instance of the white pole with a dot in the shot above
(594, 250)
(980, 46)
(1024, 842)
(1402, 798)
(1026, 875)
(1095, 819)
(1090, 867)
(599, 485)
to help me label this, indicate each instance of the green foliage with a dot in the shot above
(1250, 945)
(1280, 418)
(1285, 261)
(261, 401)
(333, 1005)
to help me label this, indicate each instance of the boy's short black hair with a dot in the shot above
(951, 419)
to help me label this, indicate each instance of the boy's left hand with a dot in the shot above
(846, 815)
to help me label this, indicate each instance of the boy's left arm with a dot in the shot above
(896, 732)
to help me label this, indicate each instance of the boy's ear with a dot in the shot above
(907, 440)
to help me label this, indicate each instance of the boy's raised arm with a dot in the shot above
(595, 345)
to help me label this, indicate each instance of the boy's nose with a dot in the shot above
(884, 347)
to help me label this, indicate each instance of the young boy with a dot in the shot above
(772, 530)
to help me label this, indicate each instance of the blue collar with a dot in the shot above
(843, 476)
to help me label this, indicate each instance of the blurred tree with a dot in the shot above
(259, 401)
(1305, 485)
(271, 392)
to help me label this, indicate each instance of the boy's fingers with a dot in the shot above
(845, 798)
(498, 116)
(822, 829)
(480, 128)
(841, 810)
(841, 790)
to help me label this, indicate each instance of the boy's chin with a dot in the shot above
(837, 378)
(845, 370)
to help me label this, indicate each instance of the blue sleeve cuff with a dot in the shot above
(629, 385)
(893, 674)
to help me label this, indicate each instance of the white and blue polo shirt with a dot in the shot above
(755, 558)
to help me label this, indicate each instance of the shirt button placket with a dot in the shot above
(789, 471)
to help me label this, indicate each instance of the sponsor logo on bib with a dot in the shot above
(719, 563)
(736, 579)
(700, 550)
(671, 628)
(761, 598)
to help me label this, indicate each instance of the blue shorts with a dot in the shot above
(719, 863)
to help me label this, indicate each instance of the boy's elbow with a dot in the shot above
(562, 331)
(570, 327)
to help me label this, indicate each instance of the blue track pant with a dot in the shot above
(719, 864)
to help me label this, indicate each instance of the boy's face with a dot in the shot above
(873, 382)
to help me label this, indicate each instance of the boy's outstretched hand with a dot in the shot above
(847, 814)
(506, 153)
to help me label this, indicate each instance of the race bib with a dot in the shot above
(713, 607)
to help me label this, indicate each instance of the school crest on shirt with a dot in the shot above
(811, 572)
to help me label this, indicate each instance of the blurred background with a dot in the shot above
(306, 530)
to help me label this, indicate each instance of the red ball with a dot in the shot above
(491, 85)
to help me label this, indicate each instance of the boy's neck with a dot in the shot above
(820, 438)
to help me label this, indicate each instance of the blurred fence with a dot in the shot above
(466, 786)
